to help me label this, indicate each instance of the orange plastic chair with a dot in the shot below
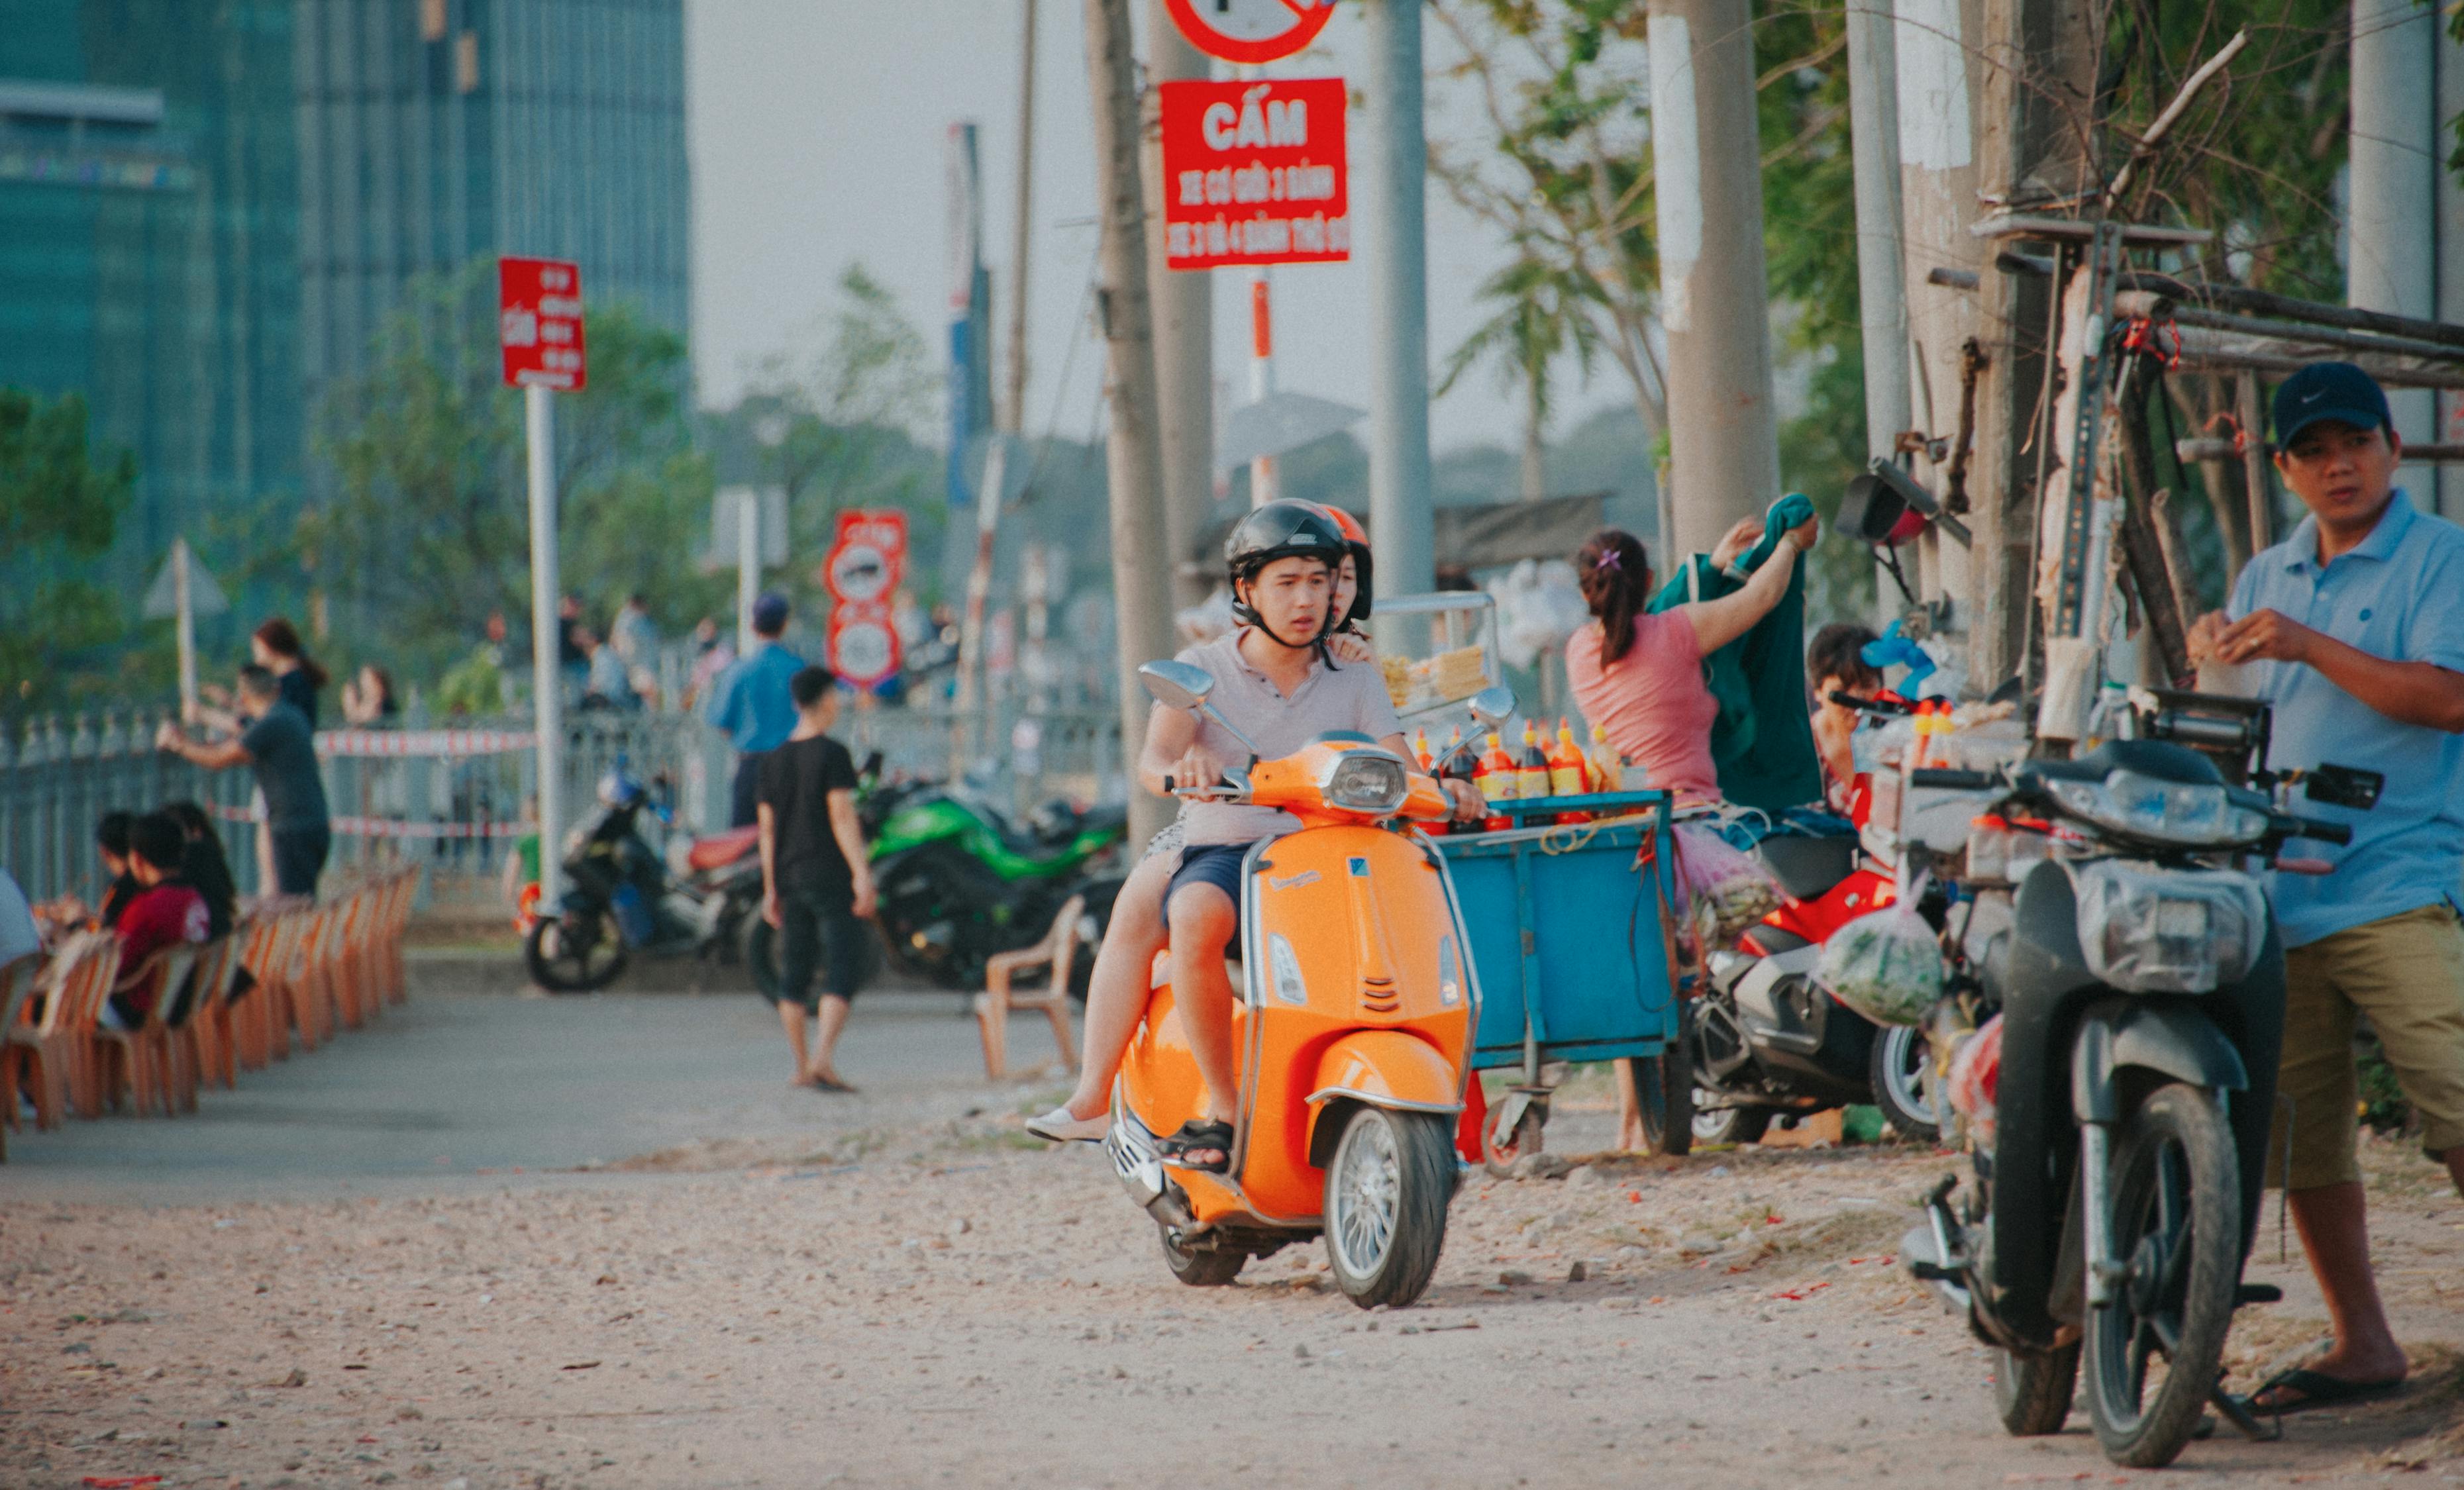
(60, 1056)
(200, 1038)
(137, 1064)
(1058, 951)
(16, 995)
(249, 1028)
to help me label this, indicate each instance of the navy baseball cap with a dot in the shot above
(770, 613)
(2329, 390)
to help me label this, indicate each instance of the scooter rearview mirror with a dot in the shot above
(1176, 685)
(1491, 705)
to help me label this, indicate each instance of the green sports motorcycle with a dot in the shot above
(959, 882)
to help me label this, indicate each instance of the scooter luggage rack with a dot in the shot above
(1464, 618)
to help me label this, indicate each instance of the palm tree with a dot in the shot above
(1542, 314)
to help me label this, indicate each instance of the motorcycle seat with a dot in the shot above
(1805, 866)
(721, 848)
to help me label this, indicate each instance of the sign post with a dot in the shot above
(184, 591)
(540, 327)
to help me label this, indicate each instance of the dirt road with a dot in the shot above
(932, 1299)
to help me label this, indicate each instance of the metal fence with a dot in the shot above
(459, 800)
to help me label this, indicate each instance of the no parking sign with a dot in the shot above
(865, 560)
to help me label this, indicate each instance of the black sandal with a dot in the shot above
(1212, 1135)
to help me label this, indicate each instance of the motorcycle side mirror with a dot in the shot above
(1492, 705)
(1176, 685)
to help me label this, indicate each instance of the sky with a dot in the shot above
(817, 136)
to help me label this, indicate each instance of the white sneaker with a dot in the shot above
(1063, 1127)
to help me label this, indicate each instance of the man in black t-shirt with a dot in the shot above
(280, 746)
(816, 874)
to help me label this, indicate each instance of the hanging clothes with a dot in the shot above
(1762, 739)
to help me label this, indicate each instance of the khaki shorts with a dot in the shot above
(2405, 972)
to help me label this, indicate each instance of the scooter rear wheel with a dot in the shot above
(1663, 1092)
(2176, 1229)
(565, 964)
(2033, 1393)
(1387, 1189)
(1198, 1268)
(1901, 1074)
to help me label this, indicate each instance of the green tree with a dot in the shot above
(1540, 317)
(60, 500)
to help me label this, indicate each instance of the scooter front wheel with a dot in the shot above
(2177, 1230)
(1386, 1194)
(565, 959)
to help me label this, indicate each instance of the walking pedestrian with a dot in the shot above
(752, 704)
(2354, 626)
(280, 748)
(816, 875)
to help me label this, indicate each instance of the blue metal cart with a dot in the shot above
(1571, 939)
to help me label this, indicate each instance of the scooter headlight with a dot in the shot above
(2159, 811)
(1370, 782)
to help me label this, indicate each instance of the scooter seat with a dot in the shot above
(1806, 866)
(720, 849)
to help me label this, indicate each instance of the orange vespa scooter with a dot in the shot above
(1354, 1004)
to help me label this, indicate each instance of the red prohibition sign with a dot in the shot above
(1250, 31)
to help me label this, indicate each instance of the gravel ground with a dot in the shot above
(948, 1303)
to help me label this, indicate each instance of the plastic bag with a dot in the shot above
(1976, 1082)
(1724, 889)
(1887, 964)
(2159, 930)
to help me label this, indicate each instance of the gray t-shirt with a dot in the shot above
(1346, 696)
(283, 752)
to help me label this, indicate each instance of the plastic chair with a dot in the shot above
(200, 1042)
(248, 1022)
(55, 1055)
(16, 989)
(137, 1062)
(1057, 951)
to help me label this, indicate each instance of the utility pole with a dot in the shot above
(1133, 455)
(1012, 413)
(2450, 210)
(1714, 286)
(2396, 155)
(1882, 295)
(547, 678)
(1400, 517)
(1184, 331)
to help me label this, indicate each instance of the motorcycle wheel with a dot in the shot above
(1663, 1092)
(1499, 1149)
(1387, 1189)
(2176, 1227)
(1196, 1267)
(573, 965)
(1727, 1124)
(2033, 1393)
(757, 944)
(1901, 1071)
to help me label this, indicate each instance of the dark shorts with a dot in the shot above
(299, 857)
(818, 931)
(1211, 864)
(744, 792)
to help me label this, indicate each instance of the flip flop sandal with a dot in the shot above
(833, 1085)
(2318, 1389)
(1193, 1136)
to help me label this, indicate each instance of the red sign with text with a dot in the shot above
(539, 322)
(1254, 173)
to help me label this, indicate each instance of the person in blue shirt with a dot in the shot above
(753, 705)
(2354, 629)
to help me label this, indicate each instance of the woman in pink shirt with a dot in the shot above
(1639, 675)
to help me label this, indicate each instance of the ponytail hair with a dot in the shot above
(282, 639)
(1614, 574)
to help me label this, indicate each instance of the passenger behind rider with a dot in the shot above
(1116, 990)
(1273, 683)
(1835, 661)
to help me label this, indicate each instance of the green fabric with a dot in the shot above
(1762, 740)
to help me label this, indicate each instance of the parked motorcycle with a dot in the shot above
(2141, 996)
(620, 898)
(1353, 1015)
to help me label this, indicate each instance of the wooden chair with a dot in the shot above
(137, 1064)
(1058, 952)
(16, 994)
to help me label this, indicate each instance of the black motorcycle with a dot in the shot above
(2142, 998)
(620, 897)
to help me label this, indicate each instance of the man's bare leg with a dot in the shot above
(1116, 990)
(1629, 1114)
(1203, 920)
(833, 1022)
(2333, 1224)
(791, 1017)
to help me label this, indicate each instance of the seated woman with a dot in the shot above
(1835, 661)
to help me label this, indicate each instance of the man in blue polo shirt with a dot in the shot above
(2355, 625)
(753, 705)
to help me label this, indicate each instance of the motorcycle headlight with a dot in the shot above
(1370, 782)
(2151, 930)
(2159, 811)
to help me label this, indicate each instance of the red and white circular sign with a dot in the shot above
(1250, 31)
(863, 644)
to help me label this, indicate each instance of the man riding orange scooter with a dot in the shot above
(1274, 683)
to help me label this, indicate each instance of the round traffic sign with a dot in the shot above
(859, 572)
(1250, 31)
(864, 650)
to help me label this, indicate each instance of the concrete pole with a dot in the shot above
(2450, 210)
(1937, 200)
(184, 609)
(547, 682)
(748, 565)
(1133, 453)
(1714, 287)
(1012, 413)
(1396, 170)
(1881, 293)
(2392, 261)
(1185, 333)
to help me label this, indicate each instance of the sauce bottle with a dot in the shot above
(1532, 766)
(1569, 774)
(1496, 777)
(1608, 774)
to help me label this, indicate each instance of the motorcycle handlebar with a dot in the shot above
(2337, 833)
(1953, 780)
(1871, 706)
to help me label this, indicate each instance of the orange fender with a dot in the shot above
(1384, 1068)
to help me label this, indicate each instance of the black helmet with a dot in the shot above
(1279, 530)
